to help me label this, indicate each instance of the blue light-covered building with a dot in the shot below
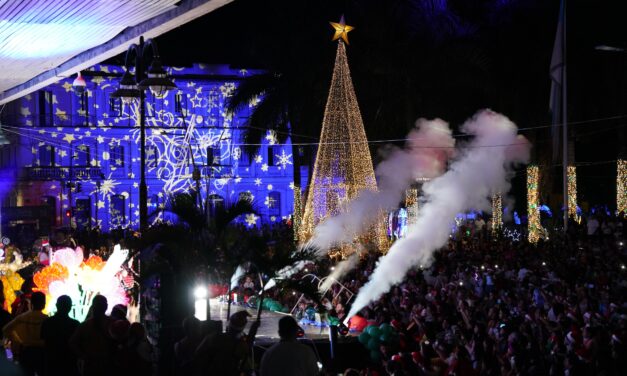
(74, 158)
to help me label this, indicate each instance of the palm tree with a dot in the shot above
(197, 244)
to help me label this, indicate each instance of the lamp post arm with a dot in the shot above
(152, 45)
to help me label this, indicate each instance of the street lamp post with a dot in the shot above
(131, 87)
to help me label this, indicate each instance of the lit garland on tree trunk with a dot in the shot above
(343, 166)
(411, 203)
(298, 211)
(571, 176)
(533, 209)
(621, 185)
(497, 213)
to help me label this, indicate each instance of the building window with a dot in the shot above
(45, 108)
(115, 107)
(244, 158)
(216, 204)
(116, 155)
(117, 210)
(274, 204)
(46, 155)
(180, 104)
(213, 156)
(271, 151)
(82, 214)
(153, 204)
(151, 156)
(83, 108)
(81, 156)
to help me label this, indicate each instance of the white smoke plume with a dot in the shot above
(482, 167)
(339, 270)
(430, 144)
(239, 273)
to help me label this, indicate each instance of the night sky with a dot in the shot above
(434, 58)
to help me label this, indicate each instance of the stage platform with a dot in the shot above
(268, 330)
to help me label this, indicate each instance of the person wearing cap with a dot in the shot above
(228, 353)
(288, 357)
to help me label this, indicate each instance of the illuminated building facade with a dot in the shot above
(74, 157)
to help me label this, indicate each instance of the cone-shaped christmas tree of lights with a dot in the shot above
(343, 166)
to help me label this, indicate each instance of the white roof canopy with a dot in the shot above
(42, 41)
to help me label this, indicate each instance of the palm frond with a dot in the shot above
(249, 90)
(184, 206)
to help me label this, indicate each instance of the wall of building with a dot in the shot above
(82, 152)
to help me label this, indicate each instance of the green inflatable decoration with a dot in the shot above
(364, 338)
(373, 343)
(375, 355)
(374, 331)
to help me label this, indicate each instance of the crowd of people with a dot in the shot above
(495, 305)
(58, 345)
(488, 304)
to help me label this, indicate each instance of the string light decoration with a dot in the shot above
(411, 203)
(298, 211)
(497, 213)
(533, 211)
(621, 185)
(343, 166)
(571, 176)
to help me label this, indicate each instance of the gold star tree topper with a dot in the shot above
(341, 30)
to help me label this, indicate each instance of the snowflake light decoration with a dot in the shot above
(283, 159)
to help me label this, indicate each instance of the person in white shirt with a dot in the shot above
(289, 357)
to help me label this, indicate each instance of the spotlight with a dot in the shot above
(543, 263)
(461, 283)
(482, 267)
(200, 292)
(200, 303)
(496, 266)
(622, 266)
(293, 292)
(333, 267)
(306, 270)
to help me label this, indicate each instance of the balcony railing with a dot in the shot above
(64, 173)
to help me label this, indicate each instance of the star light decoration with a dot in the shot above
(341, 30)
(251, 219)
(535, 229)
(621, 185)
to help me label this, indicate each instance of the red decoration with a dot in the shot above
(357, 323)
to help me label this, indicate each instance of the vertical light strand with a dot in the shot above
(411, 203)
(621, 185)
(533, 210)
(343, 166)
(571, 174)
(298, 211)
(497, 213)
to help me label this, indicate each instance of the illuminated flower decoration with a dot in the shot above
(94, 263)
(82, 279)
(49, 274)
(69, 258)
